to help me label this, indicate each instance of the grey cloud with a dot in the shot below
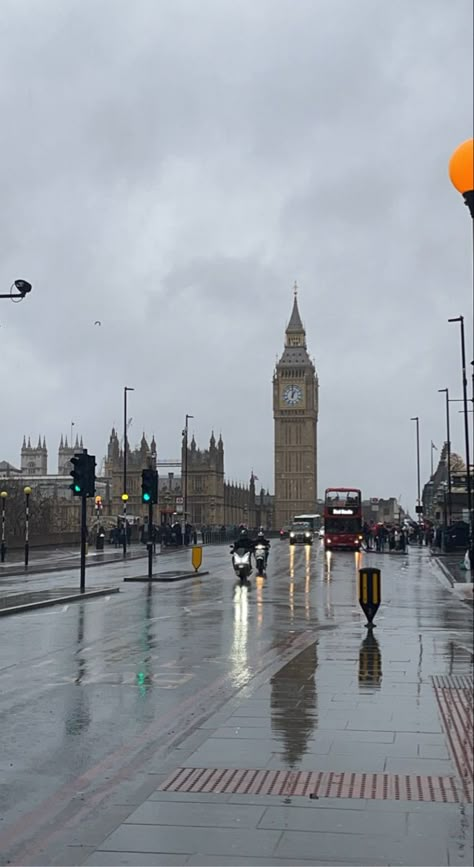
(170, 167)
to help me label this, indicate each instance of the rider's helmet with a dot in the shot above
(243, 532)
(261, 534)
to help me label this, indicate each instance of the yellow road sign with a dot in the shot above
(196, 556)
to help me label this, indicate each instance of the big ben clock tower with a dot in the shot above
(295, 411)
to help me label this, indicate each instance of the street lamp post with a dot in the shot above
(125, 448)
(3, 550)
(460, 319)
(185, 471)
(448, 448)
(27, 492)
(22, 288)
(461, 173)
(418, 508)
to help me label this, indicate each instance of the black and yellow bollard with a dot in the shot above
(370, 592)
(196, 556)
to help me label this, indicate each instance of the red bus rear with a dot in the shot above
(342, 519)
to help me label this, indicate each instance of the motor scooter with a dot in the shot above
(242, 563)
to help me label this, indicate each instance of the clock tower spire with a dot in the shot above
(295, 413)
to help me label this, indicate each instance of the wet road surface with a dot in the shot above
(101, 700)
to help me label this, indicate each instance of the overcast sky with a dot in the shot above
(170, 167)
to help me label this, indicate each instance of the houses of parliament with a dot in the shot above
(211, 499)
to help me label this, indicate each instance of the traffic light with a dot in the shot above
(83, 475)
(149, 486)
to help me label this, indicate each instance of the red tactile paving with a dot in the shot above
(454, 695)
(315, 784)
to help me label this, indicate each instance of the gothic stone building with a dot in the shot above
(214, 502)
(295, 413)
(137, 460)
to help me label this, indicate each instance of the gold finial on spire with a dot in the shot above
(295, 289)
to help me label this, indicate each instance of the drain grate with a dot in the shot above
(454, 695)
(315, 784)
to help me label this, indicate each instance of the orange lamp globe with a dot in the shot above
(461, 167)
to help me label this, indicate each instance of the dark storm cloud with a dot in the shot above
(169, 168)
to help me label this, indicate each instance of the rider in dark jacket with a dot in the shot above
(244, 542)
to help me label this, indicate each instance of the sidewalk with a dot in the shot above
(356, 752)
(459, 578)
(59, 560)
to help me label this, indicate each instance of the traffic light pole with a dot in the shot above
(150, 539)
(83, 541)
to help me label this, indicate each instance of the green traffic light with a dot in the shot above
(77, 489)
(146, 498)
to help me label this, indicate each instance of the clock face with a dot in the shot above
(292, 395)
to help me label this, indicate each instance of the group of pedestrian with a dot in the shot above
(170, 535)
(116, 536)
(380, 538)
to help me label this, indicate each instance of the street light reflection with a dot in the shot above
(307, 582)
(239, 652)
(327, 565)
(292, 598)
(259, 584)
(292, 561)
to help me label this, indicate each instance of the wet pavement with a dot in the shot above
(56, 559)
(189, 723)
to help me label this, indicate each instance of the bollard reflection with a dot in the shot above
(370, 662)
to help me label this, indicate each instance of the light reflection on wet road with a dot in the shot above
(90, 689)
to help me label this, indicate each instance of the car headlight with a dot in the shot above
(328, 541)
(307, 535)
(292, 535)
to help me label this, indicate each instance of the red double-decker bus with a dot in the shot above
(342, 519)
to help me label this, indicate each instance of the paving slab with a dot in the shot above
(209, 815)
(178, 839)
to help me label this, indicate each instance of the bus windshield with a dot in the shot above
(342, 525)
(314, 521)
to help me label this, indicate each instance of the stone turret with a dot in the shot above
(34, 459)
(66, 452)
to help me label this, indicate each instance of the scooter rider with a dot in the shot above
(261, 540)
(244, 542)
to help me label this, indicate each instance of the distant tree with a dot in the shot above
(45, 512)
